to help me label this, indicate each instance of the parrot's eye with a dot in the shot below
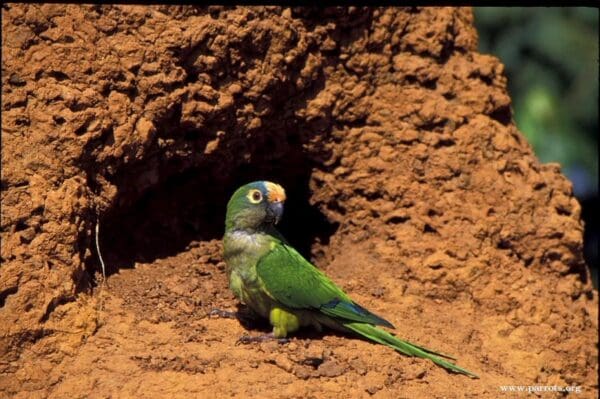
(255, 196)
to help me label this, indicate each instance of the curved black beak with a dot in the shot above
(275, 211)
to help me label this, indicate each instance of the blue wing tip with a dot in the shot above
(369, 316)
(387, 324)
(380, 321)
(383, 322)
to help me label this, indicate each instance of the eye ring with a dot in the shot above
(255, 196)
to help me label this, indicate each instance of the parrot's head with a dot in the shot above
(255, 204)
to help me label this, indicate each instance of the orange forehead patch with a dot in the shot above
(276, 193)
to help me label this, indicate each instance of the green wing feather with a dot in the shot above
(293, 281)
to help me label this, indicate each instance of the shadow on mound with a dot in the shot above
(190, 206)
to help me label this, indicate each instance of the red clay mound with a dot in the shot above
(407, 179)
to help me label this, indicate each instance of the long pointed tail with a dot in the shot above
(383, 337)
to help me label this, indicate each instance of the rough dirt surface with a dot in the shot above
(409, 184)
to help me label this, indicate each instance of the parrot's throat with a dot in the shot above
(264, 228)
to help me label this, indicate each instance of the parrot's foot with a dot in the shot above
(248, 339)
(223, 314)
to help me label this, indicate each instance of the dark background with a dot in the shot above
(551, 60)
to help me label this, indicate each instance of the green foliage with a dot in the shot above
(551, 60)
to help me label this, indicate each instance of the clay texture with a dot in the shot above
(409, 184)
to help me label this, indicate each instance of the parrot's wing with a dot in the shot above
(293, 281)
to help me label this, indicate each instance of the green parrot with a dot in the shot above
(276, 282)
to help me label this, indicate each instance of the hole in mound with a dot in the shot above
(190, 206)
(6, 293)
